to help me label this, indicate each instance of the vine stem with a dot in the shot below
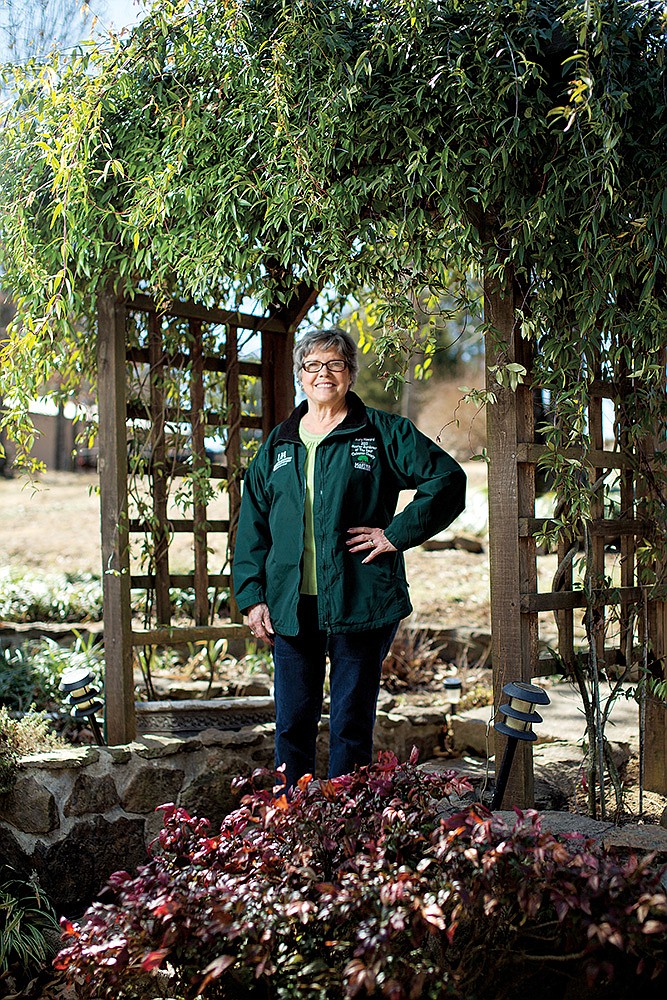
(597, 750)
(642, 702)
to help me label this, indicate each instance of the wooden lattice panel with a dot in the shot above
(609, 469)
(168, 381)
(186, 383)
(621, 619)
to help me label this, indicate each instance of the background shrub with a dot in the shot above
(56, 597)
(77, 597)
(357, 887)
(31, 733)
(30, 675)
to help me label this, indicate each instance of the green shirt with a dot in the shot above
(309, 574)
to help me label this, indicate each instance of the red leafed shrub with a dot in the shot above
(357, 887)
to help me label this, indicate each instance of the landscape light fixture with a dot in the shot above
(515, 720)
(453, 690)
(83, 697)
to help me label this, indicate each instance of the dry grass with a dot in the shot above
(52, 525)
(460, 427)
(414, 661)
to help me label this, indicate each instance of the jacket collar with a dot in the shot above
(355, 418)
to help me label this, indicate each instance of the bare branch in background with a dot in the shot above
(29, 29)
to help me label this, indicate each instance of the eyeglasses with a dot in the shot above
(312, 367)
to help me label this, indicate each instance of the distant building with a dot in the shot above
(56, 432)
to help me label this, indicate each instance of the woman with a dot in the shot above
(318, 564)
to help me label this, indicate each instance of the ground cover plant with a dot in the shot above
(359, 887)
(28, 927)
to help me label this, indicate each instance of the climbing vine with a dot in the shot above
(353, 145)
(233, 148)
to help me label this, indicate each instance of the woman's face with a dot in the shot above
(325, 387)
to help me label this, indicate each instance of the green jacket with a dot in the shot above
(360, 468)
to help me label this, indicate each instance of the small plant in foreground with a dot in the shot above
(477, 696)
(8, 756)
(26, 918)
(359, 887)
(412, 660)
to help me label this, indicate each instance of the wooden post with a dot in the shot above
(525, 427)
(655, 740)
(597, 513)
(158, 467)
(277, 350)
(655, 760)
(63, 450)
(511, 642)
(268, 388)
(119, 684)
(283, 376)
(277, 379)
(199, 465)
(233, 449)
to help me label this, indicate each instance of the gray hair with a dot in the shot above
(333, 339)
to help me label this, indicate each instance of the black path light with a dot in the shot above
(453, 689)
(83, 697)
(515, 722)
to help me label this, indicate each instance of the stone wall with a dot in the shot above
(74, 816)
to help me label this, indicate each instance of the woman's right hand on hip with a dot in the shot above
(259, 621)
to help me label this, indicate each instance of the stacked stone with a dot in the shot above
(77, 815)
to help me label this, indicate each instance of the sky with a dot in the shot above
(120, 13)
(116, 14)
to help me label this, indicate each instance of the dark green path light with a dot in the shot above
(83, 697)
(515, 721)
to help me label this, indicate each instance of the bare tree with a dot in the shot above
(29, 29)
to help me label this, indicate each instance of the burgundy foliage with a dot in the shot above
(358, 887)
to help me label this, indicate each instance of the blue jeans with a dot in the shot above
(354, 682)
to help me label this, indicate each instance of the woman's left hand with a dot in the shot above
(372, 539)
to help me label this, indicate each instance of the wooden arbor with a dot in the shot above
(168, 382)
(517, 602)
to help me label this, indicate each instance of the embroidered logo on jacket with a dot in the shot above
(363, 452)
(282, 458)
